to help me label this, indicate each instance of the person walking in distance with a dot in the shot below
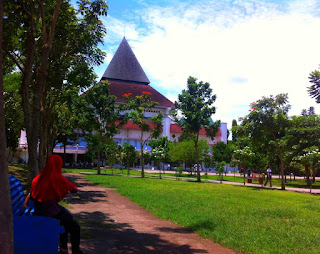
(269, 177)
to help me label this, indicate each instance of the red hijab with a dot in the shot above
(50, 184)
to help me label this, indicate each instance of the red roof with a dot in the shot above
(130, 125)
(177, 129)
(119, 88)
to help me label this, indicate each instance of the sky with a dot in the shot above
(244, 49)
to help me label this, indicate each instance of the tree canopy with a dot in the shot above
(266, 123)
(314, 89)
(302, 134)
(195, 104)
(185, 152)
(54, 45)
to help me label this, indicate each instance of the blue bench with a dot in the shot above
(17, 199)
(32, 234)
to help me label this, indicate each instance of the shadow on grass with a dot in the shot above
(303, 186)
(256, 188)
(260, 188)
(206, 225)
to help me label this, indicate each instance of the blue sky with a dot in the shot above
(244, 49)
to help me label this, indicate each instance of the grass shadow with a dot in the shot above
(206, 225)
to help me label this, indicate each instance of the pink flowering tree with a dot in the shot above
(150, 128)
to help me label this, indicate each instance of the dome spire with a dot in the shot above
(125, 66)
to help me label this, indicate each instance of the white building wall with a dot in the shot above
(224, 132)
(166, 126)
(223, 137)
(134, 135)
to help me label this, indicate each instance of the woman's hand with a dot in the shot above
(26, 201)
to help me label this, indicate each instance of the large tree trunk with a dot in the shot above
(48, 120)
(43, 142)
(46, 137)
(32, 138)
(307, 172)
(41, 76)
(6, 224)
(51, 142)
(32, 107)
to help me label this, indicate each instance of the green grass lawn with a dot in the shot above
(246, 219)
(21, 172)
(276, 181)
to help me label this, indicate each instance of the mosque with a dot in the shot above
(125, 75)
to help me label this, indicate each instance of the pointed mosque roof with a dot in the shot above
(124, 66)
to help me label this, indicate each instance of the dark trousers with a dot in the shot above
(268, 179)
(70, 226)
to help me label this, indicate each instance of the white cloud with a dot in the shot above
(268, 48)
(116, 29)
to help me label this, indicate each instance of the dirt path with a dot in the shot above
(111, 223)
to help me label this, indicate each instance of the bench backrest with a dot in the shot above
(256, 175)
(17, 198)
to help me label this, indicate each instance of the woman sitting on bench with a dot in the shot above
(47, 190)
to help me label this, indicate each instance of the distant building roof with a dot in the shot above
(119, 88)
(131, 126)
(174, 128)
(126, 75)
(125, 66)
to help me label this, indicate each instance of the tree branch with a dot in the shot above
(53, 23)
(14, 59)
(43, 18)
(25, 10)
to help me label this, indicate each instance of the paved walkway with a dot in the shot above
(111, 223)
